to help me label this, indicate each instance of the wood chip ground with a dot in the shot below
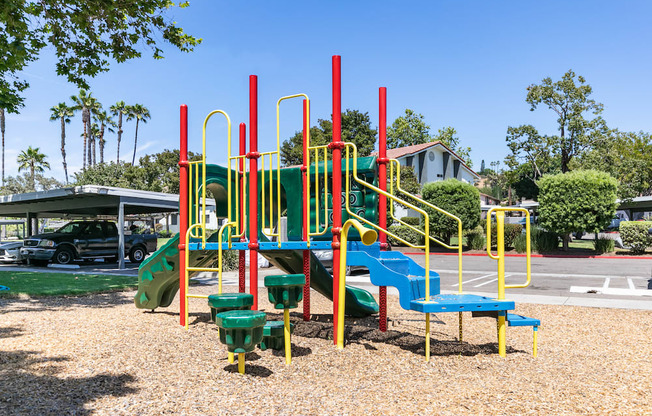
(99, 355)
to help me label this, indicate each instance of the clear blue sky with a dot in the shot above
(461, 64)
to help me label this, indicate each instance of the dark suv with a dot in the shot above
(85, 240)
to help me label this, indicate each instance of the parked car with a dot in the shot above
(85, 240)
(10, 252)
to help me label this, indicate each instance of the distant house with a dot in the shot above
(432, 162)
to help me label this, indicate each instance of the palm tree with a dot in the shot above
(34, 160)
(86, 103)
(94, 133)
(118, 109)
(2, 128)
(140, 113)
(106, 123)
(62, 112)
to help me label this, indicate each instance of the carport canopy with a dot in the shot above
(88, 201)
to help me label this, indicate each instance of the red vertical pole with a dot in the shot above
(306, 213)
(382, 199)
(336, 147)
(241, 167)
(183, 209)
(253, 156)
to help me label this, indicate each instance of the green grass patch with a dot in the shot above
(61, 284)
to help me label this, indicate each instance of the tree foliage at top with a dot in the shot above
(85, 36)
(356, 128)
(21, 184)
(408, 130)
(34, 161)
(578, 116)
(628, 158)
(448, 136)
(157, 173)
(411, 128)
(581, 200)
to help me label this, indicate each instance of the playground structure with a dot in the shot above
(328, 174)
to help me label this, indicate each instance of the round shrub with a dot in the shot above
(406, 233)
(458, 198)
(603, 245)
(475, 240)
(635, 235)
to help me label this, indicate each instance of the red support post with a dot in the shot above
(382, 199)
(336, 147)
(253, 156)
(306, 213)
(241, 167)
(183, 209)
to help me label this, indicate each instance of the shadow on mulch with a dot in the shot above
(251, 370)
(45, 303)
(30, 386)
(365, 331)
(11, 331)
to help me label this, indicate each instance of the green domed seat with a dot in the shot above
(241, 330)
(228, 302)
(273, 335)
(285, 290)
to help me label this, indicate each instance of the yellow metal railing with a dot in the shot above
(267, 192)
(317, 150)
(500, 248)
(395, 166)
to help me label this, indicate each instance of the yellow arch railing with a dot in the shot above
(395, 165)
(318, 195)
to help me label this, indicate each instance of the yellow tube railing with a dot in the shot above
(500, 249)
(368, 237)
(317, 231)
(395, 163)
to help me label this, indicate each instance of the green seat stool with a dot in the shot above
(285, 291)
(241, 331)
(273, 335)
(228, 302)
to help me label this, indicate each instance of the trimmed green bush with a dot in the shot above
(603, 245)
(581, 200)
(411, 220)
(475, 240)
(520, 243)
(458, 198)
(543, 241)
(635, 235)
(405, 233)
(511, 232)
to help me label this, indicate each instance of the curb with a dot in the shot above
(554, 256)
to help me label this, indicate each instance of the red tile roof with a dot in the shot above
(416, 148)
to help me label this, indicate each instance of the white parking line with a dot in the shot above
(477, 278)
(486, 283)
(606, 283)
(630, 283)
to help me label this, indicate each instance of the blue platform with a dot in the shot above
(519, 320)
(460, 303)
(262, 246)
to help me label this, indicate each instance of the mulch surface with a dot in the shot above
(99, 355)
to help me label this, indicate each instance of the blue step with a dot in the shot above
(460, 303)
(519, 320)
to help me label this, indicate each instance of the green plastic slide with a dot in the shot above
(158, 275)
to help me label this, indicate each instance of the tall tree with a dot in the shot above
(63, 113)
(627, 157)
(569, 99)
(85, 102)
(448, 136)
(408, 130)
(94, 134)
(85, 36)
(356, 128)
(140, 113)
(119, 109)
(529, 147)
(33, 160)
(106, 123)
(2, 129)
